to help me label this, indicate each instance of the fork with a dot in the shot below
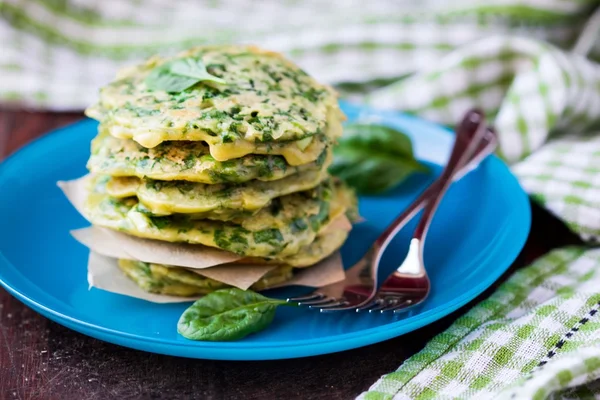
(359, 289)
(409, 284)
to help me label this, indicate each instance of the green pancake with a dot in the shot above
(178, 281)
(275, 232)
(324, 245)
(266, 105)
(189, 161)
(220, 201)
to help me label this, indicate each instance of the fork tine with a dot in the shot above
(321, 301)
(312, 296)
(407, 304)
(336, 303)
(379, 307)
(398, 306)
(368, 305)
(343, 307)
(364, 306)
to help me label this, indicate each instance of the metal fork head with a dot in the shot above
(352, 291)
(400, 291)
(408, 286)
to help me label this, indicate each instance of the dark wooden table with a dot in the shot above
(40, 359)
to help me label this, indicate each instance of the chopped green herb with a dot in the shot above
(144, 267)
(312, 94)
(226, 137)
(279, 163)
(140, 111)
(215, 114)
(267, 136)
(221, 239)
(183, 186)
(298, 225)
(317, 220)
(268, 236)
(154, 185)
(189, 161)
(321, 159)
(159, 222)
(237, 237)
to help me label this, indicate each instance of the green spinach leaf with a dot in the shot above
(177, 75)
(374, 158)
(228, 314)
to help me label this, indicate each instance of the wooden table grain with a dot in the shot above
(40, 359)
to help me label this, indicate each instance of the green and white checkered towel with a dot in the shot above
(538, 336)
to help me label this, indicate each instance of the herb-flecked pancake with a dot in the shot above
(178, 281)
(275, 232)
(324, 245)
(189, 161)
(220, 201)
(245, 101)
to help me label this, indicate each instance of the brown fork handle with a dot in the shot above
(415, 206)
(468, 137)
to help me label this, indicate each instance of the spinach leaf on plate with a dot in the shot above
(228, 314)
(177, 75)
(374, 158)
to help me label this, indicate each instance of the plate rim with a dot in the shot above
(340, 342)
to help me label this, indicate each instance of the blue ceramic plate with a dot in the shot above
(479, 230)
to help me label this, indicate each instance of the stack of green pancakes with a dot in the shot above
(236, 160)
